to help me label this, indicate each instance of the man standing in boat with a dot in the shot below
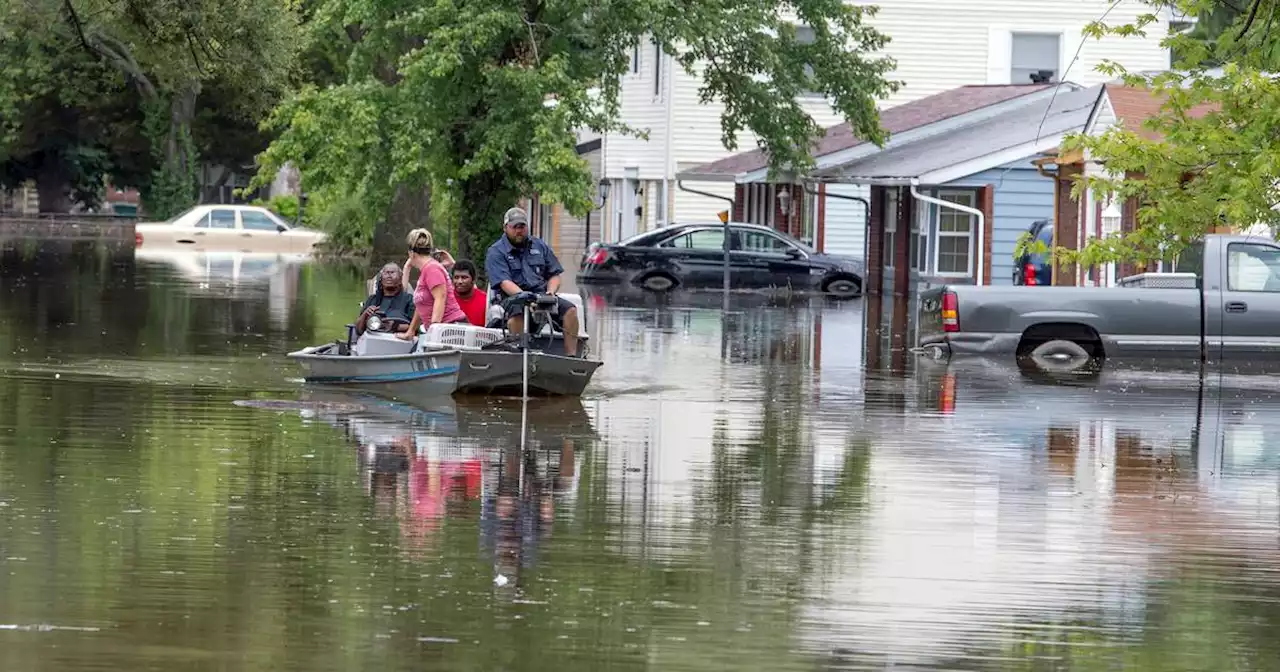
(518, 263)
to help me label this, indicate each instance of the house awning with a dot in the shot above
(1002, 139)
(838, 143)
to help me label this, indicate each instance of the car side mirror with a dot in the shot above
(793, 253)
(280, 228)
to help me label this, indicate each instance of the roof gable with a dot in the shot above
(1133, 105)
(905, 117)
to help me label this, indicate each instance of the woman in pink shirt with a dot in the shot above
(433, 298)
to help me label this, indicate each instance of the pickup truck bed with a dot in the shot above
(1234, 314)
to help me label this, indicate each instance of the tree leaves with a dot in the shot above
(1211, 156)
(482, 101)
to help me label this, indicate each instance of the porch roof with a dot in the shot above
(897, 119)
(1006, 137)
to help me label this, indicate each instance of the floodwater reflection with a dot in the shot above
(736, 491)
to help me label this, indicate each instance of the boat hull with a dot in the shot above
(447, 372)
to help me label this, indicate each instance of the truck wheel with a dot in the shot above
(1060, 356)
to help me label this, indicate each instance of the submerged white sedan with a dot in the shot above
(228, 228)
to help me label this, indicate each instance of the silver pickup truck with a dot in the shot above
(1228, 311)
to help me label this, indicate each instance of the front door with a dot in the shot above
(629, 203)
(1251, 305)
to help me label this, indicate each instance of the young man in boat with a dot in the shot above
(388, 300)
(519, 263)
(472, 301)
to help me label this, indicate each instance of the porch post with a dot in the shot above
(1067, 223)
(987, 204)
(875, 244)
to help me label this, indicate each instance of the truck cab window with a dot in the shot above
(1253, 268)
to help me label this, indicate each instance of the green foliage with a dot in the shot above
(80, 81)
(480, 102)
(1213, 157)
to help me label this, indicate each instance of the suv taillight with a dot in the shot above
(1029, 274)
(598, 257)
(950, 312)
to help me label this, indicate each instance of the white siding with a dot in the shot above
(939, 45)
(642, 110)
(845, 220)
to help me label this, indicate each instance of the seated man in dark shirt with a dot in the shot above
(389, 299)
(519, 263)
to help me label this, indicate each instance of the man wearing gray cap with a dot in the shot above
(519, 264)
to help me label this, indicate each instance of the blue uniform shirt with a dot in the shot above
(530, 267)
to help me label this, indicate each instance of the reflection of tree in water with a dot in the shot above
(56, 292)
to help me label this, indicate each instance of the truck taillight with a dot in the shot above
(598, 257)
(950, 312)
(1029, 274)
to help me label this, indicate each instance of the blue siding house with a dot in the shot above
(950, 206)
(1022, 196)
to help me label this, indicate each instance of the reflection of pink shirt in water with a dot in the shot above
(433, 275)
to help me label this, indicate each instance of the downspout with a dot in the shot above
(1053, 263)
(667, 170)
(982, 221)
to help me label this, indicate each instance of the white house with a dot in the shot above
(939, 45)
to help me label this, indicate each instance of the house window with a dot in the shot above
(635, 58)
(1032, 55)
(657, 70)
(955, 235)
(890, 227)
(806, 35)
(920, 239)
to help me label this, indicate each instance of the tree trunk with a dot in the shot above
(484, 201)
(53, 185)
(410, 209)
(179, 152)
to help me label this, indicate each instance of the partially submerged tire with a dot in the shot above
(658, 283)
(1060, 356)
(843, 288)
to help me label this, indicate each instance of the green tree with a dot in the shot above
(153, 59)
(1214, 158)
(471, 105)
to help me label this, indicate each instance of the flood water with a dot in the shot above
(737, 490)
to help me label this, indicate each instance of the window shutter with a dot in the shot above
(999, 55)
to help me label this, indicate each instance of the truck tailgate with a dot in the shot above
(930, 316)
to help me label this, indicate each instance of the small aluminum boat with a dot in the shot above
(453, 359)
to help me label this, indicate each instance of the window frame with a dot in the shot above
(669, 243)
(1275, 273)
(946, 195)
(1057, 66)
(890, 227)
(275, 223)
(808, 67)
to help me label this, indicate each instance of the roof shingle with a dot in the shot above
(898, 119)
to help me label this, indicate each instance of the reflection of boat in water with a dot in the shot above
(477, 421)
(462, 458)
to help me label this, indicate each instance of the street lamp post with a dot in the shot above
(602, 192)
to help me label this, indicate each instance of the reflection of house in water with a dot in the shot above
(1039, 501)
(663, 449)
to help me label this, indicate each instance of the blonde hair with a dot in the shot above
(419, 239)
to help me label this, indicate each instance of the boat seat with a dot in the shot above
(496, 317)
